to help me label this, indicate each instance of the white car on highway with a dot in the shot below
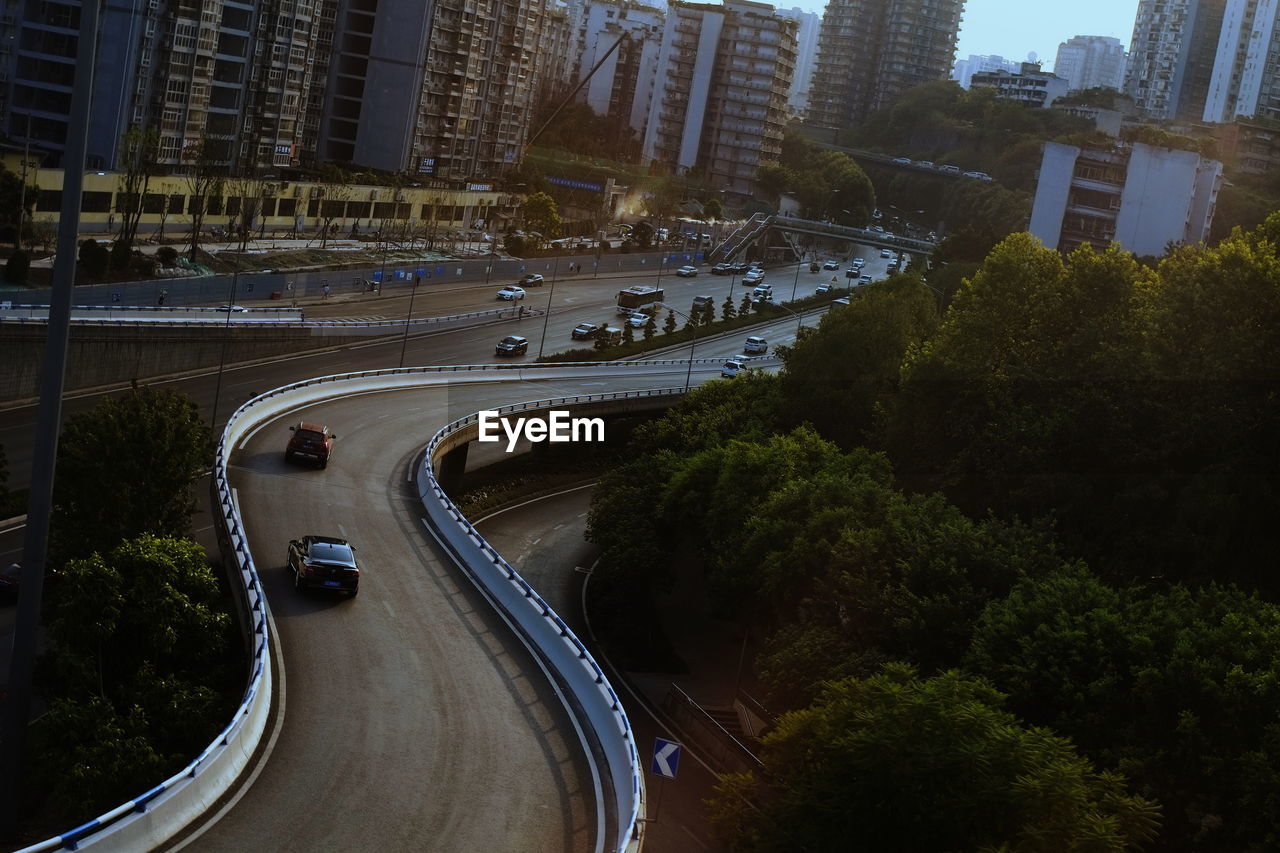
(511, 293)
(687, 271)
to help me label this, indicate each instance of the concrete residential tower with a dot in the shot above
(870, 51)
(1246, 79)
(1091, 62)
(444, 90)
(1139, 196)
(1171, 56)
(720, 95)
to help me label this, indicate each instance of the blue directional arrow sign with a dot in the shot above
(666, 758)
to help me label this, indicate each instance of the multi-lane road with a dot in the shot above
(411, 719)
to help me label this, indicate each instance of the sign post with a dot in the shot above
(665, 765)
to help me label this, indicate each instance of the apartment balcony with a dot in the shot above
(1097, 185)
(1095, 212)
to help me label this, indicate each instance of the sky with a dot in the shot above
(1013, 29)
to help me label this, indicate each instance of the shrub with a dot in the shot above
(121, 253)
(17, 267)
(94, 258)
(167, 256)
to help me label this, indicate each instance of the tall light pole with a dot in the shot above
(547, 317)
(799, 318)
(16, 711)
(404, 345)
(688, 376)
(222, 360)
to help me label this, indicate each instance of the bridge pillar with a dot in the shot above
(452, 466)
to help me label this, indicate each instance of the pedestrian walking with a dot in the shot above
(325, 291)
(164, 294)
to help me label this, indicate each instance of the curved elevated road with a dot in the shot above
(413, 721)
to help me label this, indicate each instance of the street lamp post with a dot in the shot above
(551, 294)
(404, 345)
(222, 360)
(688, 376)
(799, 318)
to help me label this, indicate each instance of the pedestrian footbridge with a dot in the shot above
(757, 228)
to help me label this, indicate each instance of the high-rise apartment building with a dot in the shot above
(720, 95)
(870, 51)
(443, 90)
(809, 24)
(1246, 78)
(1140, 196)
(1171, 56)
(1091, 62)
(625, 38)
(234, 74)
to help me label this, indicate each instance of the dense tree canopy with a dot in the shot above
(541, 215)
(899, 763)
(126, 468)
(1181, 689)
(840, 379)
(138, 672)
(1065, 485)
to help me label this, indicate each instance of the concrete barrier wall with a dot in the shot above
(399, 276)
(115, 351)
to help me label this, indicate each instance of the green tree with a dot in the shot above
(149, 602)
(145, 449)
(1028, 340)
(744, 307)
(90, 758)
(727, 311)
(204, 179)
(708, 313)
(650, 327)
(713, 209)
(139, 162)
(138, 671)
(1178, 688)
(669, 324)
(541, 215)
(841, 378)
(628, 334)
(16, 204)
(636, 547)
(773, 180)
(895, 762)
(94, 258)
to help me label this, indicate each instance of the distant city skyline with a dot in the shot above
(1013, 30)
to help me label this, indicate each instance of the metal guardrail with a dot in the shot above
(240, 320)
(160, 812)
(183, 795)
(718, 743)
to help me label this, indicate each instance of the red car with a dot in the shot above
(324, 562)
(312, 442)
